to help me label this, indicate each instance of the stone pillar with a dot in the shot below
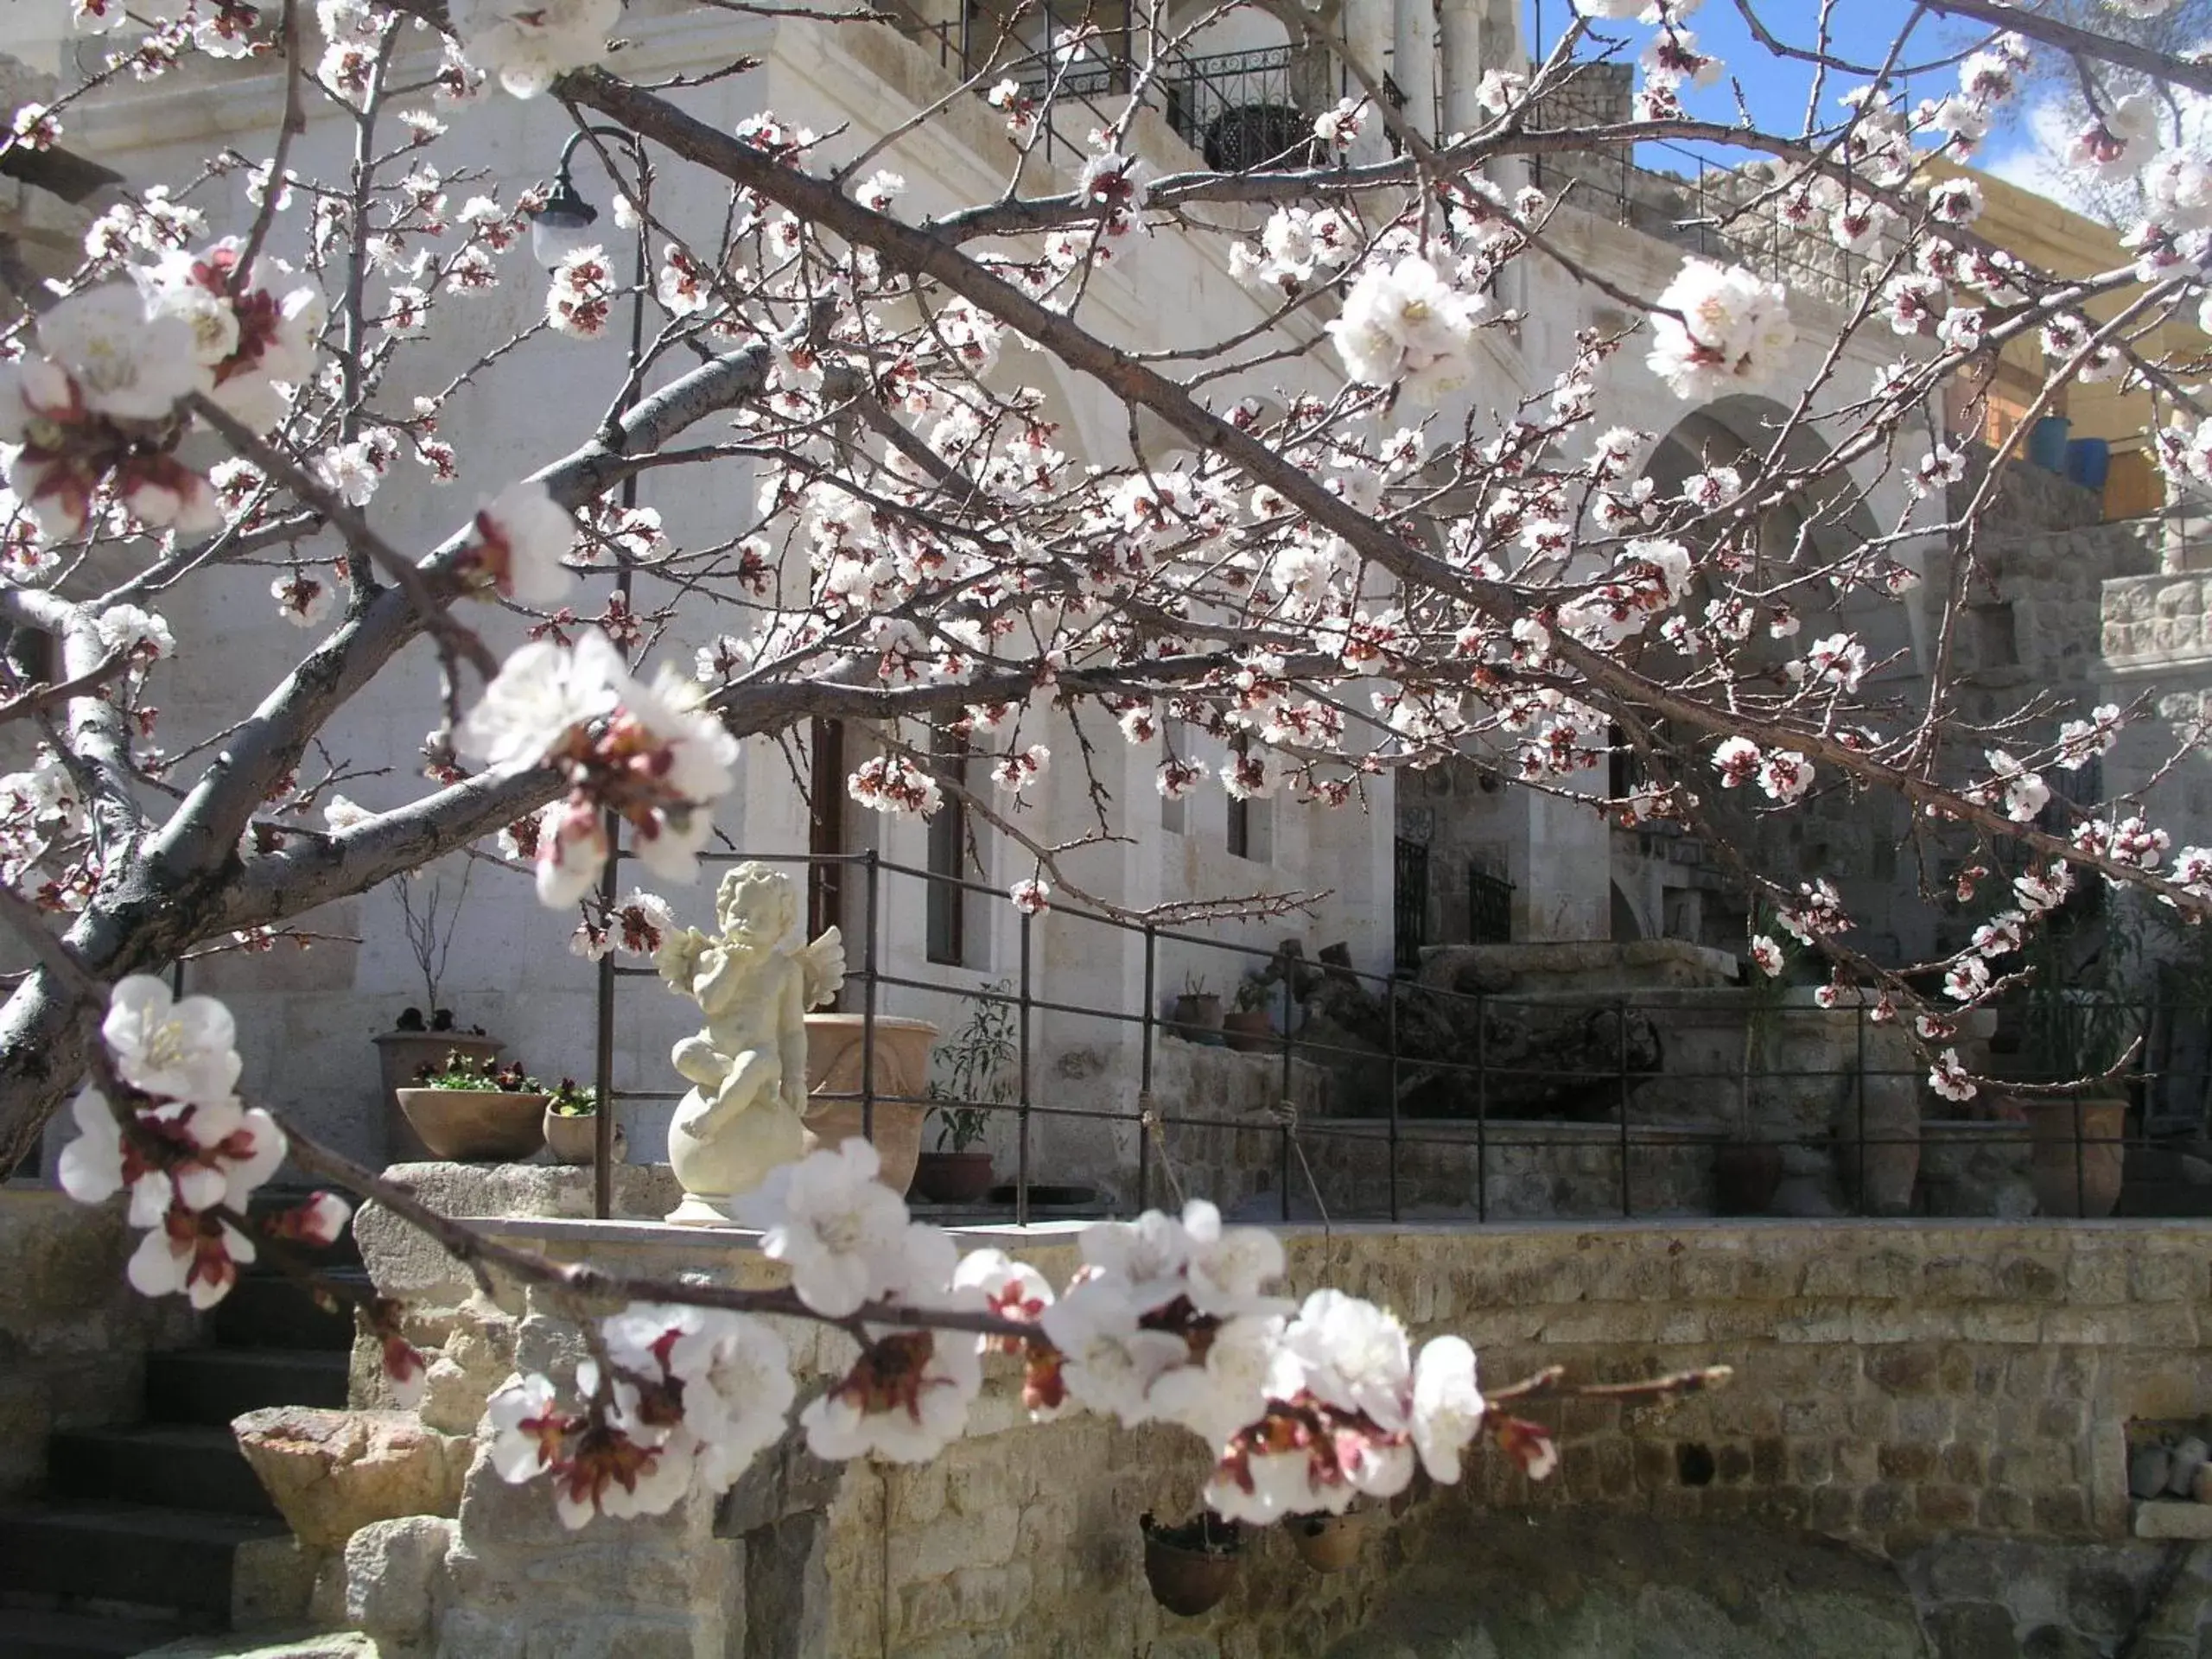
(1462, 22)
(1413, 62)
(1367, 42)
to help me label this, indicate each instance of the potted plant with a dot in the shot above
(2077, 1032)
(474, 1110)
(1247, 1027)
(1197, 1015)
(1325, 1542)
(1746, 1169)
(425, 1036)
(1190, 1566)
(973, 1062)
(838, 1065)
(572, 1124)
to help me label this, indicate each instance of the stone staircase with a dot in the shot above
(137, 1539)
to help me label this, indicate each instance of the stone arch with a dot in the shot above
(1832, 521)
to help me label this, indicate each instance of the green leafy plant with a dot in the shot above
(572, 1099)
(485, 1074)
(972, 1066)
(1253, 993)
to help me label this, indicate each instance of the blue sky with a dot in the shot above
(1775, 89)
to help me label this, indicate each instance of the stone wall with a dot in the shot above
(73, 1335)
(1897, 1384)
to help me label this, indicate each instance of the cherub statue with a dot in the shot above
(747, 1068)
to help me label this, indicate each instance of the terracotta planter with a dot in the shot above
(1198, 1018)
(400, 1056)
(1249, 1031)
(2077, 1158)
(1190, 1567)
(953, 1177)
(476, 1125)
(1327, 1543)
(836, 1051)
(574, 1140)
(1744, 1176)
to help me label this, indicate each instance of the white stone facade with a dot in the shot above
(306, 1018)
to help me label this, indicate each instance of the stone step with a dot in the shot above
(273, 1312)
(27, 1633)
(170, 1559)
(213, 1385)
(192, 1466)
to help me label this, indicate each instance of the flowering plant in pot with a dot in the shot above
(973, 1065)
(425, 1036)
(572, 1124)
(1247, 1027)
(474, 1109)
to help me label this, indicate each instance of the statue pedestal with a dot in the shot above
(695, 1211)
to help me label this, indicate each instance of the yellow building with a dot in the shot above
(2068, 244)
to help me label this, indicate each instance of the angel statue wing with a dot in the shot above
(823, 965)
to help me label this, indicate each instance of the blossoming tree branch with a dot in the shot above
(1317, 556)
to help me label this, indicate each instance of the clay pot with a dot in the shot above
(2077, 1158)
(836, 1050)
(1249, 1031)
(1190, 1567)
(952, 1177)
(574, 1140)
(401, 1055)
(1198, 1019)
(1327, 1543)
(1744, 1176)
(476, 1125)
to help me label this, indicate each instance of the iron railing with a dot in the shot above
(1859, 1120)
(1239, 110)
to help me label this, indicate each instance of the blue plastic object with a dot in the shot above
(2088, 460)
(2047, 443)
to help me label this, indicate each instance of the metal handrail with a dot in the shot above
(1846, 1137)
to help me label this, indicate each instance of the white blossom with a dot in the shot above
(836, 1227)
(185, 1050)
(1405, 325)
(1731, 330)
(529, 44)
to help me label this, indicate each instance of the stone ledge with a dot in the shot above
(2177, 1518)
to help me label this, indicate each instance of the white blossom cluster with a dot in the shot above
(179, 1141)
(651, 755)
(1306, 1406)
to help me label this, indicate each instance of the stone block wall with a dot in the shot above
(73, 1335)
(1898, 1384)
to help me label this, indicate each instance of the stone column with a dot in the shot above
(1367, 40)
(1462, 22)
(1413, 62)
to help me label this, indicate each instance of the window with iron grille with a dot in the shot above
(1409, 904)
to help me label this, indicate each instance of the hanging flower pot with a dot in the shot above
(1190, 1567)
(1327, 1543)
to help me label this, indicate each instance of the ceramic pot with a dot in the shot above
(1198, 1018)
(401, 1056)
(1327, 1543)
(476, 1125)
(953, 1177)
(1186, 1577)
(1249, 1031)
(574, 1140)
(1744, 1176)
(2077, 1157)
(836, 1048)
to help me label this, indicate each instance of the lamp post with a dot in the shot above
(563, 224)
